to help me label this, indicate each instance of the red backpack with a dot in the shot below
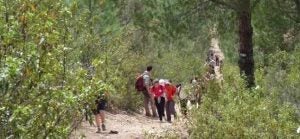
(139, 84)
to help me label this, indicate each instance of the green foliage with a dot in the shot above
(44, 85)
(56, 57)
(236, 112)
(163, 135)
(283, 75)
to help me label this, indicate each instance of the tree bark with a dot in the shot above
(246, 61)
(297, 3)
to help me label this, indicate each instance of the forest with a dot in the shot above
(57, 55)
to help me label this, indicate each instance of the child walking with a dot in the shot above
(101, 103)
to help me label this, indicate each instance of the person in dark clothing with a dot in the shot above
(101, 104)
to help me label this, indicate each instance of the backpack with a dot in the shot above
(139, 84)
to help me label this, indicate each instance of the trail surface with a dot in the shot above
(131, 126)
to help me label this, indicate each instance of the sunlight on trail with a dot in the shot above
(131, 126)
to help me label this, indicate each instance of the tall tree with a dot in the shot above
(242, 9)
(246, 61)
(189, 17)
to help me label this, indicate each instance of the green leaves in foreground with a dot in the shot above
(235, 112)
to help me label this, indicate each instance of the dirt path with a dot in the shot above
(131, 126)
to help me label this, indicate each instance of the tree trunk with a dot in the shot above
(297, 3)
(246, 61)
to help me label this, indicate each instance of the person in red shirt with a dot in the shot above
(158, 92)
(170, 106)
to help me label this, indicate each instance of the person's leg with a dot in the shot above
(146, 102)
(168, 111)
(172, 108)
(158, 108)
(183, 106)
(163, 108)
(102, 116)
(153, 107)
(97, 118)
(163, 105)
(199, 98)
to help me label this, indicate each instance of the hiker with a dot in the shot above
(101, 104)
(158, 93)
(182, 99)
(170, 106)
(143, 85)
(195, 94)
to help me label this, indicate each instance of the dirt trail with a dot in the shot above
(131, 126)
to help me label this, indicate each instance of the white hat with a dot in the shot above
(161, 81)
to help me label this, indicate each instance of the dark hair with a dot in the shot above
(149, 68)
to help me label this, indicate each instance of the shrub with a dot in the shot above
(237, 112)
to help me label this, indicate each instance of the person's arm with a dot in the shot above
(151, 92)
(165, 91)
(147, 84)
(174, 92)
(178, 90)
(138, 76)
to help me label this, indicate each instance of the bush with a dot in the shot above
(236, 112)
(47, 111)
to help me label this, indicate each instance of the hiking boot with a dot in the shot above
(103, 127)
(148, 115)
(160, 119)
(99, 130)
